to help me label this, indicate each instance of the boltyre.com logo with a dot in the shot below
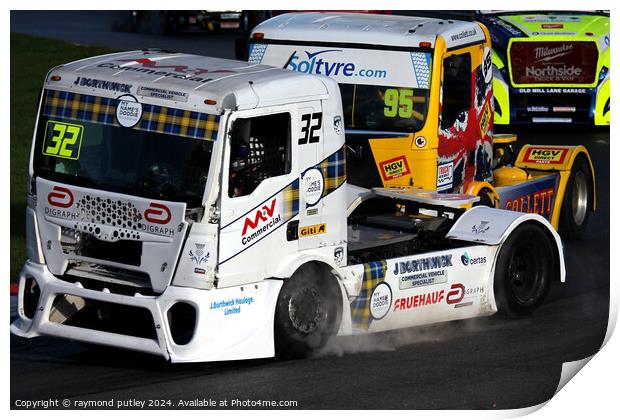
(467, 260)
(327, 64)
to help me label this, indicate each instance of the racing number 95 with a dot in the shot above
(63, 140)
(400, 102)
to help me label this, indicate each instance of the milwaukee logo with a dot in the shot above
(262, 215)
(548, 54)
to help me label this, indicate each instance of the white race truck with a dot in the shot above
(198, 209)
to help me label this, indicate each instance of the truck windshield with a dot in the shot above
(123, 160)
(384, 108)
(383, 90)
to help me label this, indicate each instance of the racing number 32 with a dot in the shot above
(308, 129)
(63, 140)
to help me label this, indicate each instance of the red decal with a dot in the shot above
(147, 62)
(410, 302)
(545, 155)
(456, 294)
(394, 168)
(60, 197)
(259, 216)
(552, 26)
(158, 213)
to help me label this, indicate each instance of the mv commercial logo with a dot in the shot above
(329, 63)
(264, 216)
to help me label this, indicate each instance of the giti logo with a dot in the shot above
(262, 215)
(394, 168)
(466, 260)
(312, 230)
(545, 155)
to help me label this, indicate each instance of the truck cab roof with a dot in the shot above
(185, 81)
(369, 29)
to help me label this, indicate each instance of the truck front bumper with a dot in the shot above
(230, 324)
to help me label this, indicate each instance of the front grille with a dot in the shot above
(541, 105)
(124, 252)
(535, 63)
(102, 316)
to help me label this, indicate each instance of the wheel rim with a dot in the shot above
(580, 198)
(524, 274)
(306, 309)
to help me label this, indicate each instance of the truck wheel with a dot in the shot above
(307, 312)
(486, 199)
(578, 200)
(523, 270)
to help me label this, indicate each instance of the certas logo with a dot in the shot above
(264, 217)
(466, 260)
(158, 214)
(545, 155)
(316, 63)
(60, 197)
(394, 168)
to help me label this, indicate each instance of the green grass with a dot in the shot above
(31, 58)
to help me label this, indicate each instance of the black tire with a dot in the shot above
(578, 200)
(485, 198)
(307, 312)
(523, 270)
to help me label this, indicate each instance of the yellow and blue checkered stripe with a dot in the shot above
(157, 119)
(374, 273)
(334, 170)
(291, 200)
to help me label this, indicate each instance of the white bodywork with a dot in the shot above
(230, 265)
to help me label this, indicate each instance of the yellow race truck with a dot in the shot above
(418, 92)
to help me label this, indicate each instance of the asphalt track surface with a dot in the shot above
(486, 363)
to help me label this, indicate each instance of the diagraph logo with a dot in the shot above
(60, 197)
(158, 214)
